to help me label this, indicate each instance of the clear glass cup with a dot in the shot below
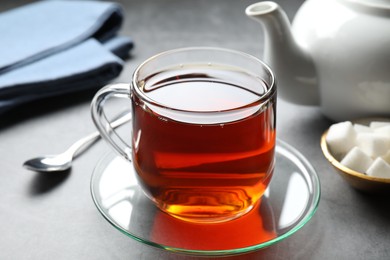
(203, 131)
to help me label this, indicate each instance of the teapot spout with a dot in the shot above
(293, 66)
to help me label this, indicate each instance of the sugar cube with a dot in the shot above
(357, 160)
(376, 124)
(373, 144)
(341, 138)
(384, 130)
(386, 157)
(362, 128)
(379, 168)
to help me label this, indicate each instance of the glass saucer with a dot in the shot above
(288, 204)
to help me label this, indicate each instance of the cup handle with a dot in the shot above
(120, 90)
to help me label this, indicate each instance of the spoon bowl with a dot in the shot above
(50, 163)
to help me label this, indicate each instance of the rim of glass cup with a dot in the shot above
(266, 96)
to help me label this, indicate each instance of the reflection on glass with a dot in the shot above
(295, 200)
(254, 228)
(121, 212)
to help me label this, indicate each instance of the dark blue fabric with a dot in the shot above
(53, 47)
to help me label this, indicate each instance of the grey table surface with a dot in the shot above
(48, 216)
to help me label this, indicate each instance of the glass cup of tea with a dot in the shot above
(203, 131)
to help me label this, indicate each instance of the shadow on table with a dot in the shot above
(44, 182)
(376, 203)
(43, 106)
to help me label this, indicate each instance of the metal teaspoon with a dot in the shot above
(63, 161)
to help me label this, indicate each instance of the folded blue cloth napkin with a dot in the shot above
(52, 47)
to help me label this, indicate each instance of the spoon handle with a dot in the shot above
(84, 143)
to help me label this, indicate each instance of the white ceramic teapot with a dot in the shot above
(336, 54)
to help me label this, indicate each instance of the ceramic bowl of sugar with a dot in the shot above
(360, 152)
